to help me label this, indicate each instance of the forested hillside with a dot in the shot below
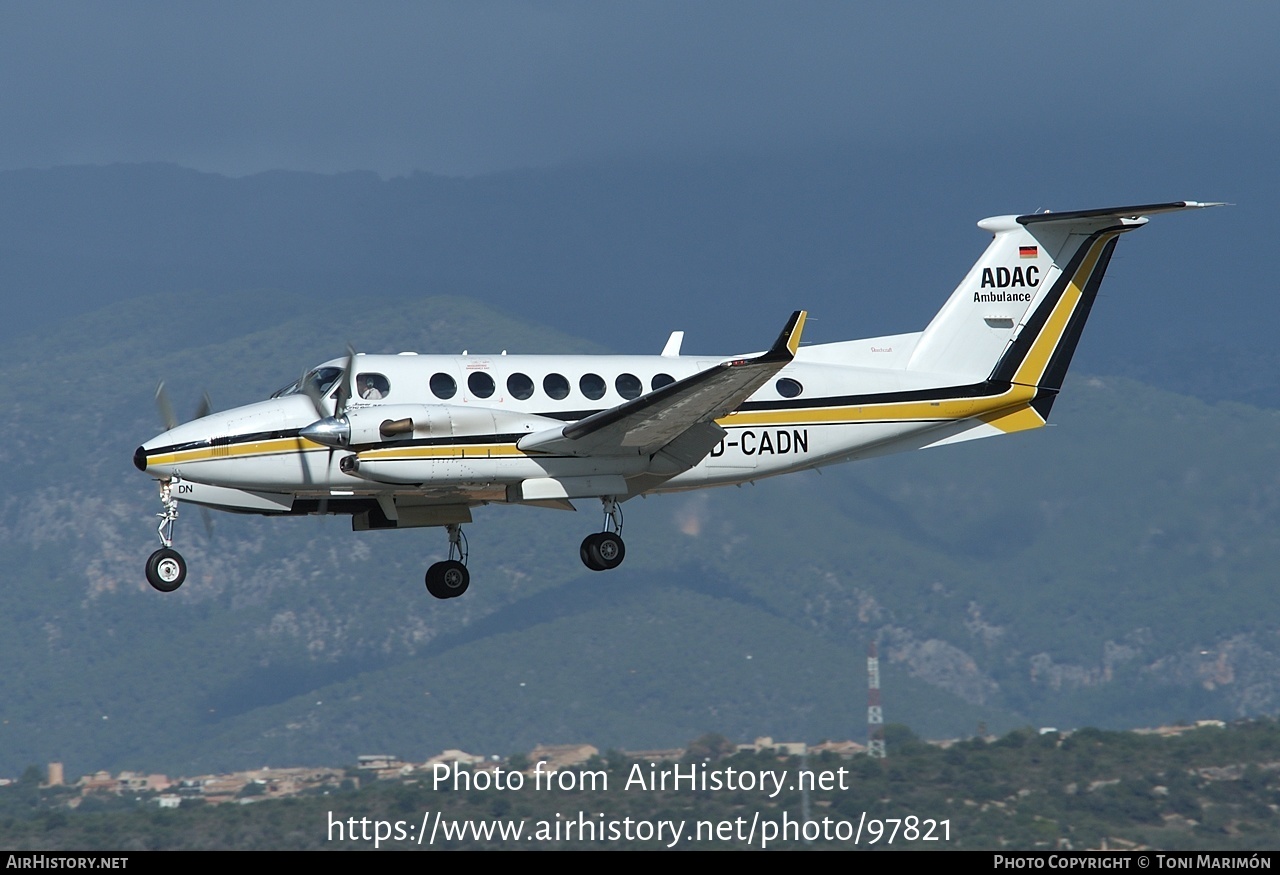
(1114, 570)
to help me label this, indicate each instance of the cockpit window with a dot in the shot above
(323, 379)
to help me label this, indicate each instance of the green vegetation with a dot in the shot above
(1206, 789)
(1116, 570)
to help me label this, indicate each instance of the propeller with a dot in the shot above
(165, 406)
(170, 420)
(312, 391)
(343, 395)
(340, 398)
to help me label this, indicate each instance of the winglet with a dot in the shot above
(784, 348)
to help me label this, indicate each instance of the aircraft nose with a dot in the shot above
(140, 459)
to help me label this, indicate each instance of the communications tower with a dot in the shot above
(875, 716)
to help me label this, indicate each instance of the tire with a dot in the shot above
(448, 579)
(166, 570)
(585, 551)
(607, 550)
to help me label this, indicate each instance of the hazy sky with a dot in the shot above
(466, 88)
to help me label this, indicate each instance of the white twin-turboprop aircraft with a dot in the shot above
(402, 441)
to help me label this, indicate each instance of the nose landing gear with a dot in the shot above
(450, 578)
(604, 550)
(166, 569)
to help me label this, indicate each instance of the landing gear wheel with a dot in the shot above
(606, 550)
(585, 551)
(448, 579)
(166, 569)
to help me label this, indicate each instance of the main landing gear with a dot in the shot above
(450, 578)
(604, 550)
(166, 569)
(601, 551)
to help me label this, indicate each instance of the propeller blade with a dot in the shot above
(205, 408)
(312, 391)
(167, 415)
(207, 518)
(348, 378)
(341, 397)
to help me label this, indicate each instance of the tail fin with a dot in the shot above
(1019, 312)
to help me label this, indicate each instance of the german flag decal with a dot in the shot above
(1028, 251)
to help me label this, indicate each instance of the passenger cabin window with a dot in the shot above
(373, 387)
(593, 386)
(788, 388)
(443, 386)
(556, 386)
(628, 386)
(660, 380)
(520, 386)
(480, 384)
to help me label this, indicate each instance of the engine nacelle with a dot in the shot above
(378, 424)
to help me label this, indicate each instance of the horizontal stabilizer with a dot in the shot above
(1133, 212)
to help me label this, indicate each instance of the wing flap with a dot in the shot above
(645, 425)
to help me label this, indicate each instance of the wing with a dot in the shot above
(651, 422)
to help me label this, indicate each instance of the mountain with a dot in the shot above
(624, 253)
(1112, 570)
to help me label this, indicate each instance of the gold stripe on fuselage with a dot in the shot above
(274, 446)
(923, 411)
(447, 451)
(903, 411)
(1020, 419)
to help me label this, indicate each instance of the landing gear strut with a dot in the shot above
(604, 550)
(166, 569)
(450, 578)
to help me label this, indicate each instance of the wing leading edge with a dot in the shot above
(648, 424)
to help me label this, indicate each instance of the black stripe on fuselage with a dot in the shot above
(985, 389)
(974, 390)
(944, 393)
(226, 440)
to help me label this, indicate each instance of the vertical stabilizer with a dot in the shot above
(980, 319)
(1019, 312)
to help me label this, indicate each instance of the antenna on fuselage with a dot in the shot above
(672, 349)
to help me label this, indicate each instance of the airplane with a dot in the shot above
(408, 440)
